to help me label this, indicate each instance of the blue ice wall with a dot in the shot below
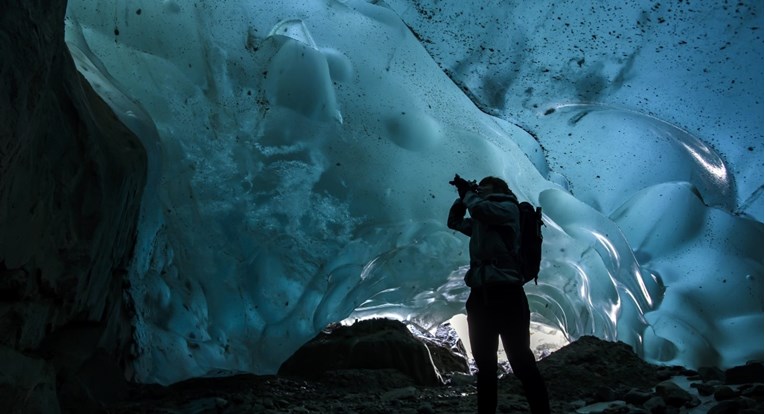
(300, 153)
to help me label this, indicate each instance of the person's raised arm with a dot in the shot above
(457, 220)
(490, 211)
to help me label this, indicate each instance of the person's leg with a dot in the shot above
(514, 331)
(484, 340)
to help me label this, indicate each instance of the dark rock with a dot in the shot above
(13, 284)
(27, 385)
(637, 397)
(704, 389)
(668, 372)
(749, 373)
(711, 373)
(672, 394)
(374, 410)
(354, 379)
(750, 403)
(578, 368)
(576, 404)
(461, 379)
(346, 391)
(607, 407)
(368, 344)
(603, 393)
(725, 393)
(753, 391)
(725, 407)
(655, 405)
(93, 383)
(688, 372)
(425, 408)
(400, 394)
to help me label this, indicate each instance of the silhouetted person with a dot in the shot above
(497, 305)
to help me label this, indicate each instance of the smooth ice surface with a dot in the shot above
(300, 153)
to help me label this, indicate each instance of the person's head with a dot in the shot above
(493, 185)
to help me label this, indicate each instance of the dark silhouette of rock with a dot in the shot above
(751, 372)
(368, 344)
(589, 375)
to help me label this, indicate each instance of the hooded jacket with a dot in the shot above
(492, 260)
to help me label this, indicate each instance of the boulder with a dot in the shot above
(369, 344)
(750, 373)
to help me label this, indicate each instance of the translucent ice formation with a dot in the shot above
(301, 153)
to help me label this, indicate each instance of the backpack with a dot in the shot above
(530, 249)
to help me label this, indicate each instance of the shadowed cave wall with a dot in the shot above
(71, 177)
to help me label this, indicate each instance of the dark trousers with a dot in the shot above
(503, 311)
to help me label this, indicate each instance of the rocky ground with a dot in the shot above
(587, 376)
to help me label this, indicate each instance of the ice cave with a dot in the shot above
(276, 166)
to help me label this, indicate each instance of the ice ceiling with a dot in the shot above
(300, 153)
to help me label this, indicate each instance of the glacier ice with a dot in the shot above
(300, 153)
